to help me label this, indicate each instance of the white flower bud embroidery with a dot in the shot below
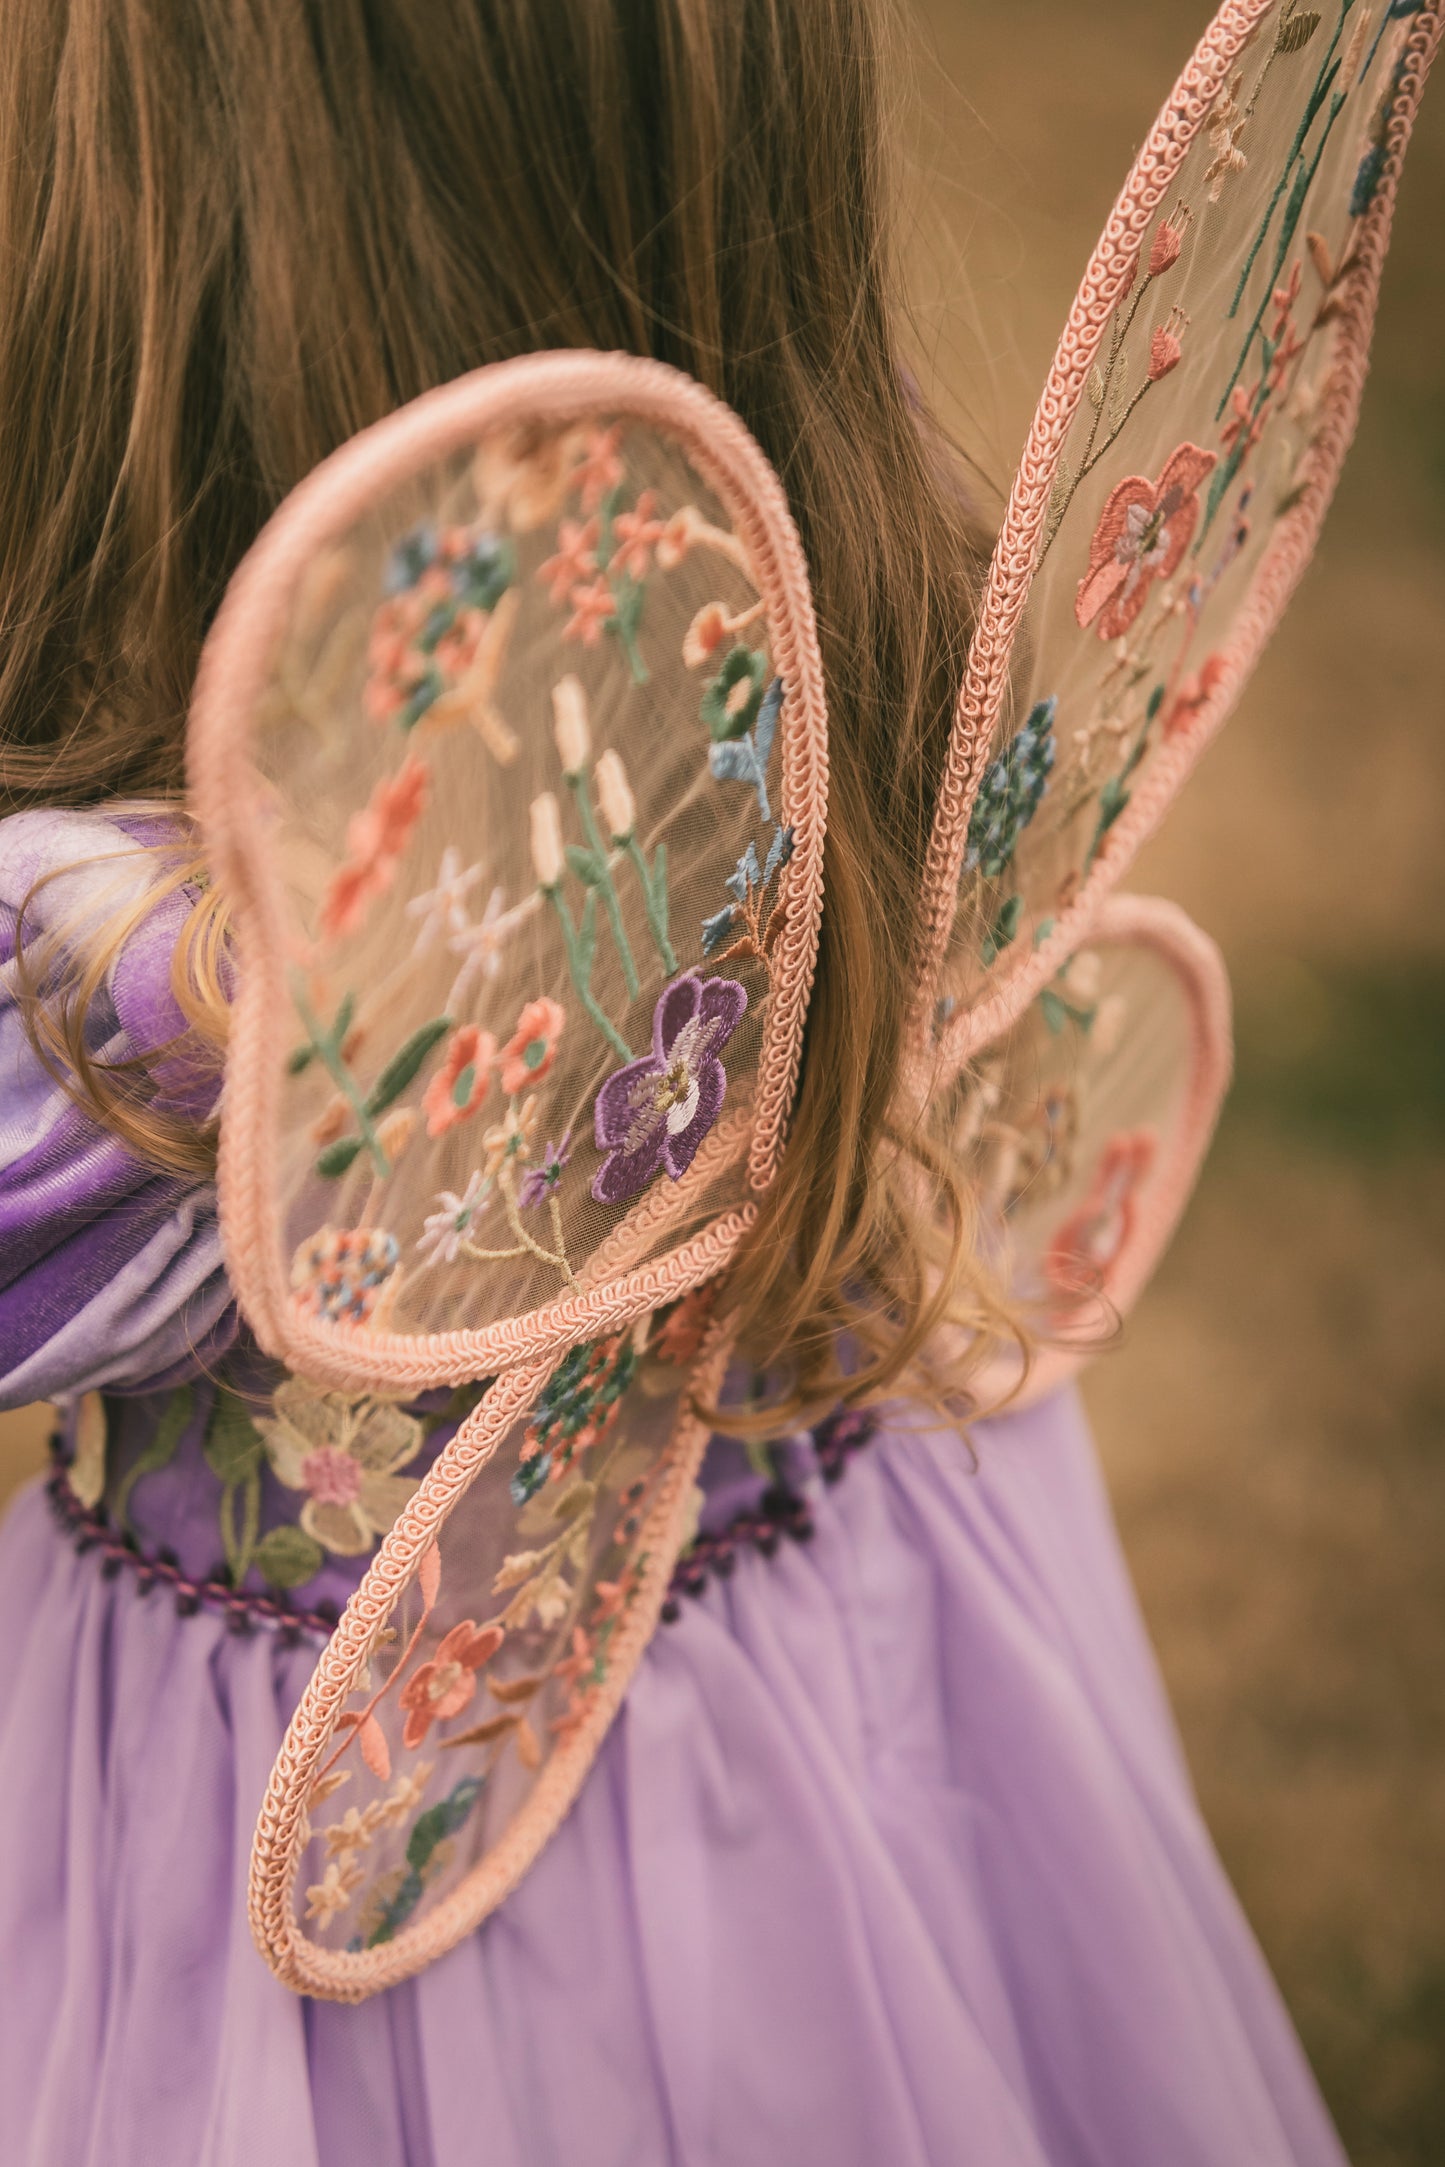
(574, 740)
(547, 859)
(615, 796)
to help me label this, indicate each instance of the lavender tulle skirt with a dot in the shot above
(890, 1861)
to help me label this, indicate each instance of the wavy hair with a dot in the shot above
(234, 232)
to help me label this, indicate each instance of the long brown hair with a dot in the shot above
(233, 232)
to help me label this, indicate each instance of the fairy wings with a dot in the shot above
(510, 749)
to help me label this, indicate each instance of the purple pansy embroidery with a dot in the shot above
(652, 1115)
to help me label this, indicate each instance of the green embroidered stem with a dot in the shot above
(627, 592)
(250, 1528)
(1316, 99)
(328, 1045)
(601, 879)
(1114, 796)
(629, 609)
(579, 964)
(1295, 206)
(654, 894)
(158, 1453)
(1293, 209)
(226, 1514)
(233, 1451)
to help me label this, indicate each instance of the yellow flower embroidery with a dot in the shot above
(334, 1891)
(344, 1453)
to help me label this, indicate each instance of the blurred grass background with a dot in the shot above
(1272, 1426)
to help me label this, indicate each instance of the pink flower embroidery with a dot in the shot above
(375, 840)
(635, 533)
(442, 1688)
(1168, 240)
(532, 1047)
(705, 635)
(1087, 1246)
(1193, 694)
(570, 1669)
(1143, 532)
(1166, 348)
(460, 1084)
(592, 606)
(601, 469)
(684, 1328)
(677, 537)
(574, 560)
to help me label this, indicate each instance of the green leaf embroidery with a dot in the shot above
(1054, 1011)
(403, 1066)
(287, 1557)
(1003, 929)
(335, 1159)
(232, 1446)
(585, 865)
(158, 1453)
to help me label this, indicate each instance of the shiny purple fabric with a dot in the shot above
(890, 1858)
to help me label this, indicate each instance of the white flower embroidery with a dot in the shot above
(445, 1229)
(480, 948)
(405, 1795)
(443, 909)
(334, 1891)
(344, 1453)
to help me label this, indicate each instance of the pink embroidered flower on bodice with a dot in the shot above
(346, 1455)
(332, 1477)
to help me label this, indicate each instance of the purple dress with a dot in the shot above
(891, 1859)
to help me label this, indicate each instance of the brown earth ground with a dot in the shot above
(1272, 1426)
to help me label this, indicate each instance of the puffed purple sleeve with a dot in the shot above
(110, 1270)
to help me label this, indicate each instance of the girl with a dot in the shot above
(891, 1855)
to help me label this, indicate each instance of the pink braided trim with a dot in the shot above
(1011, 572)
(281, 1831)
(1140, 921)
(556, 387)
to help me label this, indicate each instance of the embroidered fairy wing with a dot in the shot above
(508, 744)
(1085, 1123)
(458, 1706)
(1180, 462)
(509, 749)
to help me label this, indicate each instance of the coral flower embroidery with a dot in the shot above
(1143, 532)
(1088, 1245)
(441, 1688)
(460, 1084)
(375, 840)
(532, 1047)
(651, 1116)
(1194, 693)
